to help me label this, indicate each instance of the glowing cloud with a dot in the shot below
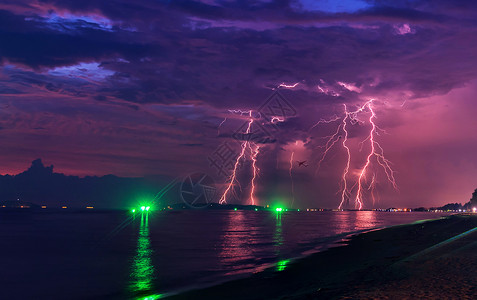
(91, 71)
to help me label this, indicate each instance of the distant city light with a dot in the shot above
(89, 207)
(279, 209)
(64, 207)
(143, 208)
(148, 207)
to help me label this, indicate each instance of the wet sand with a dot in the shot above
(434, 260)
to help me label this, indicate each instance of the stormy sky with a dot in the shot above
(143, 88)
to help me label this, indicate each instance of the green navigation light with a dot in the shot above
(235, 209)
(148, 207)
(133, 210)
(143, 208)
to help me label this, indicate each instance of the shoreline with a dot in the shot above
(326, 243)
(360, 268)
(338, 240)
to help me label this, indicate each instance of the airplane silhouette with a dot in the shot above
(302, 163)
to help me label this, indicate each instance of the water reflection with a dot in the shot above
(142, 269)
(343, 221)
(278, 242)
(365, 220)
(237, 242)
(281, 265)
(278, 237)
(150, 297)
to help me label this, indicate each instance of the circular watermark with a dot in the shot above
(198, 190)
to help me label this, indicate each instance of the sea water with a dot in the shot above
(119, 255)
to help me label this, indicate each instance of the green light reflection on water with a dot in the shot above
(150, 297)
(278, 237)
(281, 265)
(142, 269)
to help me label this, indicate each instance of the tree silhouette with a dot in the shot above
(473, 200)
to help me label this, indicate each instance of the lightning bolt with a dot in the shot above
(376, 151)
(322, 121)
(345, 193)
(220, 125)
(288, 86)
(332, 140)
(274, 120)
(233, 176)
(253, 156)
(242, 112)
(291, 177)
(362, 173)
(254, 151)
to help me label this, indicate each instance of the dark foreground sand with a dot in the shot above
(426, 260)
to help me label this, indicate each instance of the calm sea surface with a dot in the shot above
(112, 255)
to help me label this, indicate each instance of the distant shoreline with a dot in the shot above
(27, 205)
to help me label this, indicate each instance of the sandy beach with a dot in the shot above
(432, 259)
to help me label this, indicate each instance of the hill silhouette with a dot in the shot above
(41, 185)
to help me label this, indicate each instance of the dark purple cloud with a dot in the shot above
(139, 88)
